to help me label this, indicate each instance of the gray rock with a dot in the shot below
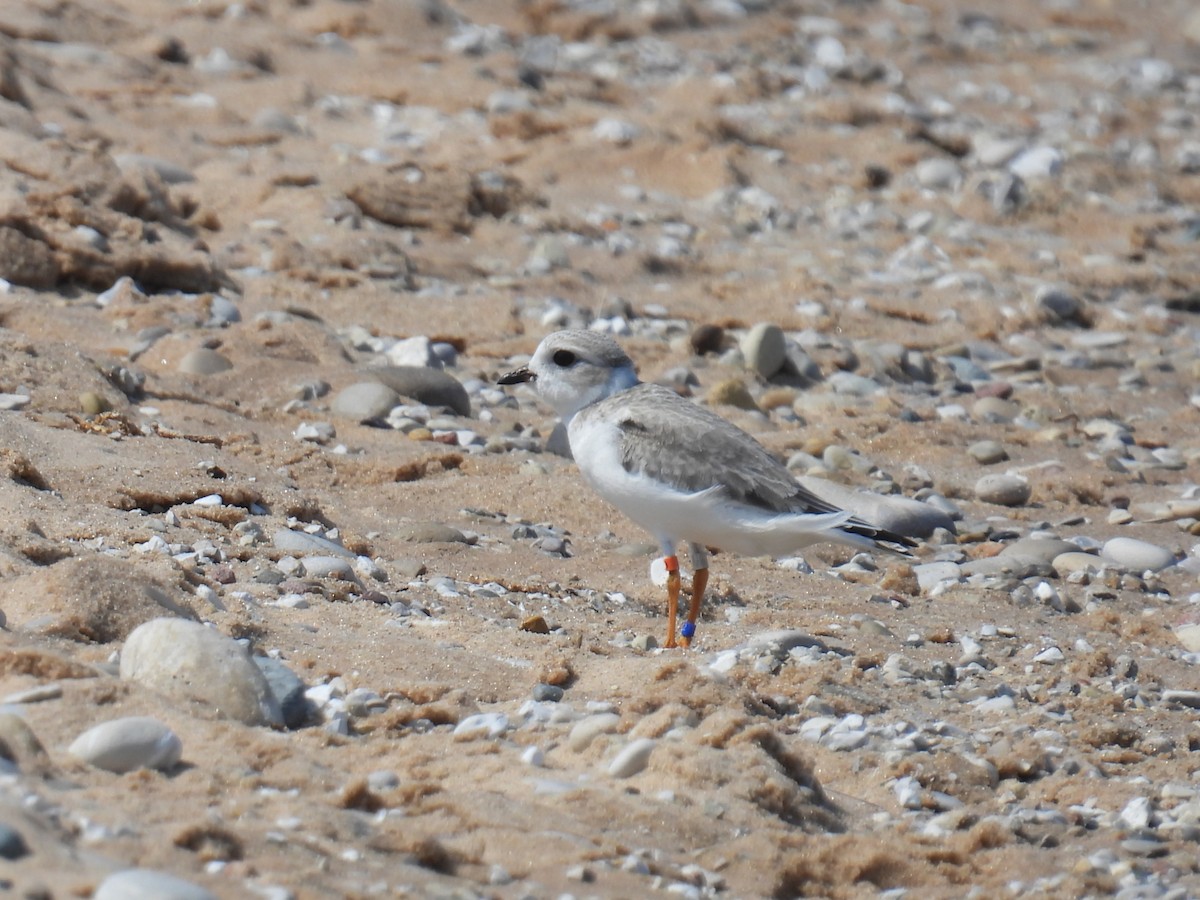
(987, 453)
(994, 410)
(363, 401)
(300, 543)
(633, 758)
(1076, 561)
(203, 361)
(1136, 555)
(587, 730)
(938, 174)
(1057, 305)
(12, 845)
(432, 387)
(1040, 550)
(764, 349)
(1003, 490)
(329, 567)
(428, 533)
(188, 661)
(146, 884)
(1037, 163)
(902, 515)
(930, 575)
(123, 745)
(415, 352)
(288, 690)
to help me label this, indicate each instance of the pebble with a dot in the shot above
(203, 361)
(287, 689)
(432, 387)
(21, 744)
(12, 844)
(587, 730)
(1137, 555)
(633, 758)
(1037, 163)
(123, 745)
(764, 349)
(931, 576)
(987, 453)
(329, 567)
(188, 661)
(1076, 561)
(1003, 490)
(427, 533)
(939, 174)
(732, 392)
(364, 401)
(147, 884)
(302, 543)
(489, 724)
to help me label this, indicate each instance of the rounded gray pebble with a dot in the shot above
(300, 543)
(12, 845)
(548, 693)
(287, 689)
(188, 661)
(328, 567)
(633, 758)
(1136, 555)
(764, 349)
(146, 884)
(432, 387)
(1003, 490)
(124, 745)
(203, 361)
(428, 533)
(363, 401)
(987, 453)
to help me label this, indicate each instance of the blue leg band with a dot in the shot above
(688, 629)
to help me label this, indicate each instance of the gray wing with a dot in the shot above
(674, 440)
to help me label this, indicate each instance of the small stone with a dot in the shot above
(633, 758)
(931, 575)
(994, 410)
(123, 745)
(432, 387)
(364, 401)
(644, 642)
(587, 730)
(732, 392)
(535, 624)
(1037, 163)
(1076, 561)
(301, 543)
(93, 404)
(987, 453)
(12, 845)
(938, 174)
(189, 661)
(428, 533)
(329, 567)
(1137, 555)
(147, 884)
(491, 725)
(547, 693)
(203, 361)
(707, 339)
(764, 349)
(1003, 490)
(288, 690)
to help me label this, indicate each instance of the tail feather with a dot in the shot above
(891, 541)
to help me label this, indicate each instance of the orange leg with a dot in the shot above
(672, 564)
(699, 583)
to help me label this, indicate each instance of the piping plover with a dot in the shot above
(678, 469)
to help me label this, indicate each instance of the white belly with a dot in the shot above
(708, 517)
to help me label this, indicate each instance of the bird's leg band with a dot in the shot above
(699, 583)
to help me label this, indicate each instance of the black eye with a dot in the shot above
(564, 358)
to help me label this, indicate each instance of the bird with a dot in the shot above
(679, 470)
